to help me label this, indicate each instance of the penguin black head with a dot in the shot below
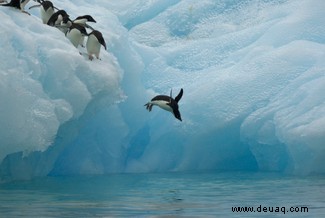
(66, 20)
(176, 113)
(47, 4)
(18, 4)
(54, 17)
(13, 3)
(63, 13)
(86, 17)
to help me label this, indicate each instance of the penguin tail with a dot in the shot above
(148, 106)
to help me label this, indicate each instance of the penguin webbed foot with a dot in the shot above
(148, 106)
(97, 56)
(92, 58)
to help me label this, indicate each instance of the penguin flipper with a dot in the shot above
(34, 6)
(99, 37)
(179, 96)
(87, 26)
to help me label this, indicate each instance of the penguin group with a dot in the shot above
(75, 30)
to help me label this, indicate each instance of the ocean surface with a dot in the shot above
(209, 194)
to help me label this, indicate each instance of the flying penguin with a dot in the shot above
(167, 103)
(18, 4)
(46, 9)
(94, 41)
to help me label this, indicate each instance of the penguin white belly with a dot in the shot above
(45, 15)
(82, 22)
(23, 4)
(162, 104)
(93, 46)
(81, 41)
(74, 36)
(58, 20)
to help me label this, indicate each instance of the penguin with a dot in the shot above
(13, 3)
(76, 34)
(65, 24)
(46, 9)
(95, 39)
(61, 20)
(81, 20)
(167, 103)
(18, 4)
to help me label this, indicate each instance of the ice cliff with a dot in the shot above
(253, 74)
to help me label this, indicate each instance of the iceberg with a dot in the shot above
(252, 73)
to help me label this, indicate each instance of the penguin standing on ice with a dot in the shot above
(76, 34)
(19, 4)
(94, 41)
(81, 21)
(46, 9)
(167, 103)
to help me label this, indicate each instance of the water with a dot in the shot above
(161, 195)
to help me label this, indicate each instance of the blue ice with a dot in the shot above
(252, 73)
